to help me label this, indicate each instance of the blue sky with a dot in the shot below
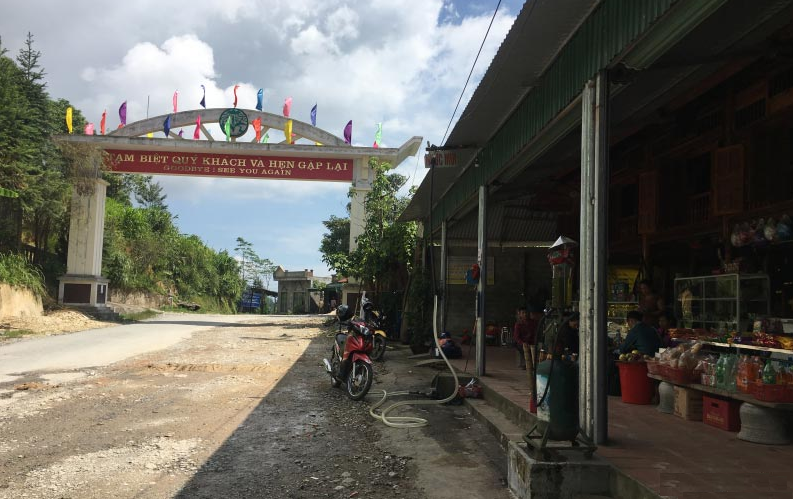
(399, 63)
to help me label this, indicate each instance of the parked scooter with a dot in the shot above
(350, 362)
(376, 323)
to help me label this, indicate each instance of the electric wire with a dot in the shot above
(471, 72)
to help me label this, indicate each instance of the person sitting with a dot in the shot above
(641, 336)
(665, 321)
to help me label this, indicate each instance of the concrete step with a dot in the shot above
(509, 422)
(99, 312)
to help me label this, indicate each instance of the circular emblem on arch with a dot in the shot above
(239, 121)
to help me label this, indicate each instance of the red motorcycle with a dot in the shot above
(350, 362)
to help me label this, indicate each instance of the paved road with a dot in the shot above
(100, 347)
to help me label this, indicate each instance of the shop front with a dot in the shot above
(675, 175)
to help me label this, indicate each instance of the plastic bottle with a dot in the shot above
(769, 374)
(720, 371)
(730, 372)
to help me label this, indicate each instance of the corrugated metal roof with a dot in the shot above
(512, 222)
(539, 32)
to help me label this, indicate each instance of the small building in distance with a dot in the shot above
(296, 292)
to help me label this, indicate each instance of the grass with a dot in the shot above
(16, 271)
(15, 333)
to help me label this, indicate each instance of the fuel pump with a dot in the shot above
(556, 374)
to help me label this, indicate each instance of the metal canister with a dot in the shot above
(559, 408)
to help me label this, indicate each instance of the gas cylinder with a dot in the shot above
(559, 409)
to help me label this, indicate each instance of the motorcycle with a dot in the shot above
(376, 323)
(350, 362)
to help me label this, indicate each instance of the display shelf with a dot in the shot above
(739, 346)
(726, 393)
(733, 299)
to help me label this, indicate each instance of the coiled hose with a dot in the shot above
(414, 421)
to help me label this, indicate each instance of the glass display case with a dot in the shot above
(724, 302)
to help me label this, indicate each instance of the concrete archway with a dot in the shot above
(131, 150)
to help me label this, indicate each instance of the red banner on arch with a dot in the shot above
(229, 165)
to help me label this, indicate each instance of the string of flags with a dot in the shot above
(226, 127)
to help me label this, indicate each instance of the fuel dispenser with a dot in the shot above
(556, 375)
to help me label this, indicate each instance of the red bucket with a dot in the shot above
(636, 387)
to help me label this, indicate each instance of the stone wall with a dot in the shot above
(18, 302)
(137, 299)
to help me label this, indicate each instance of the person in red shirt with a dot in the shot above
(525, 333)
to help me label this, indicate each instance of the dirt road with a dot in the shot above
(239, 411)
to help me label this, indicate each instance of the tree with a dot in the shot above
(148, 193)
(335, 245)
(385, 248)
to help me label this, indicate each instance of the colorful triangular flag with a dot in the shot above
(257, 126)
(69, 119)
(378, 135)
(259, 99)
(348, 133)
(288, 131)
(204, 98)
(287, 106)
(122, 114)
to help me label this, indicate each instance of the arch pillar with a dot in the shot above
(83, 283)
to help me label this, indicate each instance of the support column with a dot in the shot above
(602, 174)
(593, 359)
(586, 263)
(444, 251)
(481, 260)
(361, 185)
(83, 283)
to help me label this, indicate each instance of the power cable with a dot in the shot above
(470, 72)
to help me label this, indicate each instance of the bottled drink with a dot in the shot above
(769, 374)
(720, 371)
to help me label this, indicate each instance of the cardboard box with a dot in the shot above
(721, 413)
(688, 404)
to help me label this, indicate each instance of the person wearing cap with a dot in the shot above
(567, 337)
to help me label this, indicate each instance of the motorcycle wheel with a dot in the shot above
(335, 368)
(378, 347)
(358, 385)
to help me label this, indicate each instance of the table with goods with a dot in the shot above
(746, 379)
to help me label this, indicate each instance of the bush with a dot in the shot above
(16, 271)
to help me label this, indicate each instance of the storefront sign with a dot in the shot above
(229, 165)
(448, 158)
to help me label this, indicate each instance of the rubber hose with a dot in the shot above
(414, 421)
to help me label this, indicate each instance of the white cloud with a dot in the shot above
(399, 63)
